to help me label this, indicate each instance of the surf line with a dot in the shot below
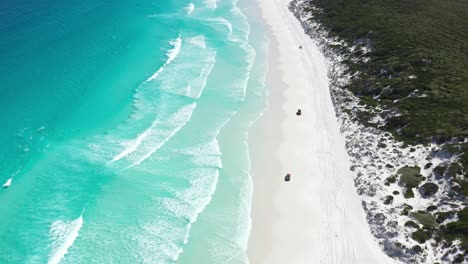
(183, 115)
(171, 55)
(64, 234)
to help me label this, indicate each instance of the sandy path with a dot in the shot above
(317, 217)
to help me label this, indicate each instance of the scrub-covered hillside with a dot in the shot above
(407, 63)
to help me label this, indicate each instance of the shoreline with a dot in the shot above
(309, 218)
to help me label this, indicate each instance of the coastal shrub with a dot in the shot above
(388, 199)
(409, 171)
(406, 209)
(428, 165)
(417, 65)
(390, 180)
(411, 224)
(431, 208)
(396, 192)
(428, 189)
(442, 216)
(382, 145)
(426, 219)
(417, 249)
(455, 169)
(421, 235)
(439, 171)
(460, 258)
(459, 228)
(410, 177)
(408, 193)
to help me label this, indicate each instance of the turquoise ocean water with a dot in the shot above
(124, 130)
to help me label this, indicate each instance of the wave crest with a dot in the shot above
(171, 55)
(63, 234)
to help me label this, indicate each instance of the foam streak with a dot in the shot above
(64, 234)
(171, 55)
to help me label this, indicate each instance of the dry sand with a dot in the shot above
(316, 217)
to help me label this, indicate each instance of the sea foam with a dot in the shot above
(63, 234)
(7, 183)
(189, 8)
(177, 120)
(155, 136)
(211, 4)
(171, 55)
(198, 41)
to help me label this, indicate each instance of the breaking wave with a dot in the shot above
(171, 55)
(154, 137)
(63, 234)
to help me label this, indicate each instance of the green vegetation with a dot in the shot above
(421, 235)
(459, 258)
(416, 63)
(415, 45)
(459, 229)
(426, 219)
(411, 224)
(410, 176)
(406, 209)
(390, 180)
(428, 189)
(417, 249)
(442, 216)
(439, 171)
(388, 199)
(408, 193)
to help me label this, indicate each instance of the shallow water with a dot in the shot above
(124, 129)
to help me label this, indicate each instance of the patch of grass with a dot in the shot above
(410, 177)
(426, 219)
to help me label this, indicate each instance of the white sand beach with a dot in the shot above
(316, 217)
